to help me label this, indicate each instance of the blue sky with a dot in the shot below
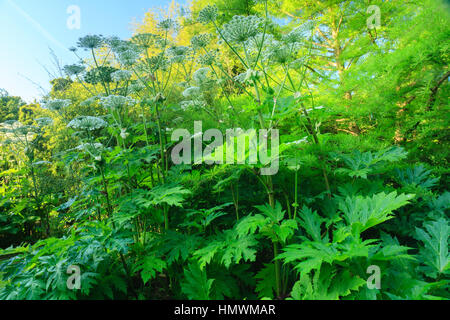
(28, 28)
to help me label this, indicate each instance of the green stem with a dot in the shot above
(277, 270)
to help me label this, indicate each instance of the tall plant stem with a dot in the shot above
(317, 142)
(277, 270)
(109, 208)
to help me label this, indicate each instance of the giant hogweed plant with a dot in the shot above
(267, 79)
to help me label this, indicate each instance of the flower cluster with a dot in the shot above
(208, 14)
(158, 62)
(57, 104)
(128, 57)
(87, 123)
(200, 41)
(280, 53)
(167, 25)
(100, 74)
(192, 93)
(194, 98)
(126, 52)
(261, 40)
(187, 104)
(73, 69)
(144, 40)
(136, 86)
(115, 102)
(178, 53)
(295, 36)
(241, 28)
(201, 76)
(206, 59)
(121, 75)
(90, 42)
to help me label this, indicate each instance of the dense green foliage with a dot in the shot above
(87, 178)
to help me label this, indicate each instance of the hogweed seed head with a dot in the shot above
(178, 53)
(90, 42)
(144, 40)
(128, 57)
(200, 41)
(167, 25)
(73, 69)
(208, 14)
(207, 59)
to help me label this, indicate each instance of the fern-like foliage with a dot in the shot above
(270, 223)
(417, 176)
(326, 284)
(362, 213)
(361, 164)
(148, 266)
(196, 285)
(434, 252)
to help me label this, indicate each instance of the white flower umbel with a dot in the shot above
(261, 40)
(207, 59)
(121, 75)
(178, 53)
(241, 28)
(200, 41)
(136, 86)
(73, 69)
(208, 14)
(187, 104)
(87, 123)
(90, 42)
(128, 57)
(281, 52)
(115, 102)
(167, 25)
(297, 35)
(144, 40)
(57, 104)
(201, 76)
(192, 93)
